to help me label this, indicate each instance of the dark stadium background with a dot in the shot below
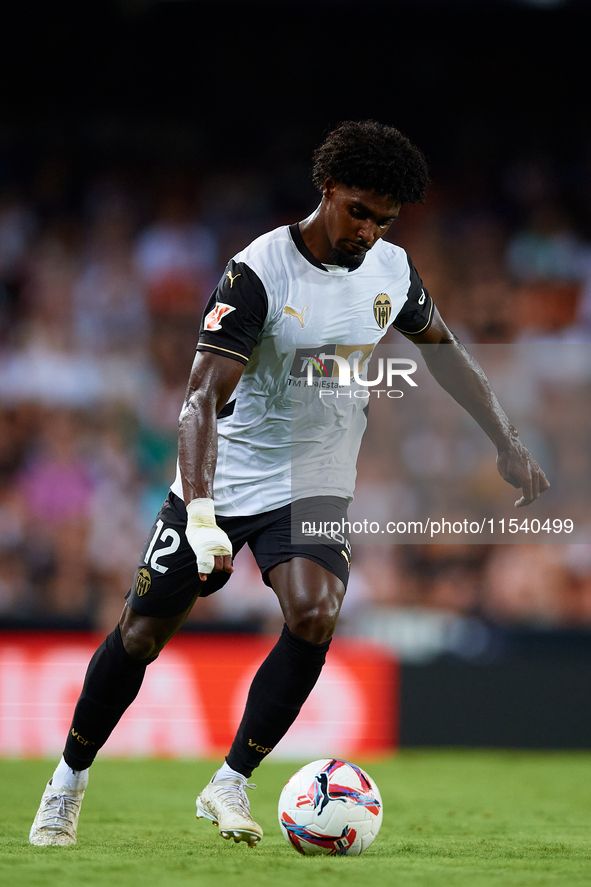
(475, 83)
(219, 105)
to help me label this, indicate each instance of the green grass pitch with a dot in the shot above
(452, 818)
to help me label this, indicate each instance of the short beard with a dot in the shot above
(345, 260)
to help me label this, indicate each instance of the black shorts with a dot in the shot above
(167, 581)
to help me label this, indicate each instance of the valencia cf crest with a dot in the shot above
(143, 582)
(382, 309)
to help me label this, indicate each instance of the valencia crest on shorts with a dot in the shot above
(143, 582)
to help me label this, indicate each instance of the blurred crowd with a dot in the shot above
(101, 293)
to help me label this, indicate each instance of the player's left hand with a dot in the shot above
(518, 467)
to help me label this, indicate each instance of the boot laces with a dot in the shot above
(233, 794)
(60, 806)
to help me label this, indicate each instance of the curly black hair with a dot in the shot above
(372, 157)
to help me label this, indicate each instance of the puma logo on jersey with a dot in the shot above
(423, 297)
(232, 279)
(345, 555)
(213, 320)
(293, 313)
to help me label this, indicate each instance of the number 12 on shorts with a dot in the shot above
(169, 533)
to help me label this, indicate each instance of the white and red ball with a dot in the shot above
(330, 808)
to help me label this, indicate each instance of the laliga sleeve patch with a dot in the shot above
(234, 315)
(213, 320)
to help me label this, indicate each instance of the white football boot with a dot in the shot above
(226, 805)
(57, 817)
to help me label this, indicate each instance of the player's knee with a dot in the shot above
(140, 642)
(315, 622)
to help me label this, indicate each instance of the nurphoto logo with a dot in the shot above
(349, 372)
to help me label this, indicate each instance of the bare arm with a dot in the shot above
(211, 383)
(462, 377)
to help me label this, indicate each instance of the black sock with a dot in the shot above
(279, 689)
(113, 680)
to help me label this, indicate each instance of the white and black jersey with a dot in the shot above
(291, 320)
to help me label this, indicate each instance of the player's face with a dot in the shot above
(355, 220)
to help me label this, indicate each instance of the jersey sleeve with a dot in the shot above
(416, 314)
(235, 314)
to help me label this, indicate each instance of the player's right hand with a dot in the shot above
(210, 543)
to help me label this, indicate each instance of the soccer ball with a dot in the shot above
(330, 808)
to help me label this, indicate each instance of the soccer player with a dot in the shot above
(328, 286)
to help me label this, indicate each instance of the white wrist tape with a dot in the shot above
(204, 536)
